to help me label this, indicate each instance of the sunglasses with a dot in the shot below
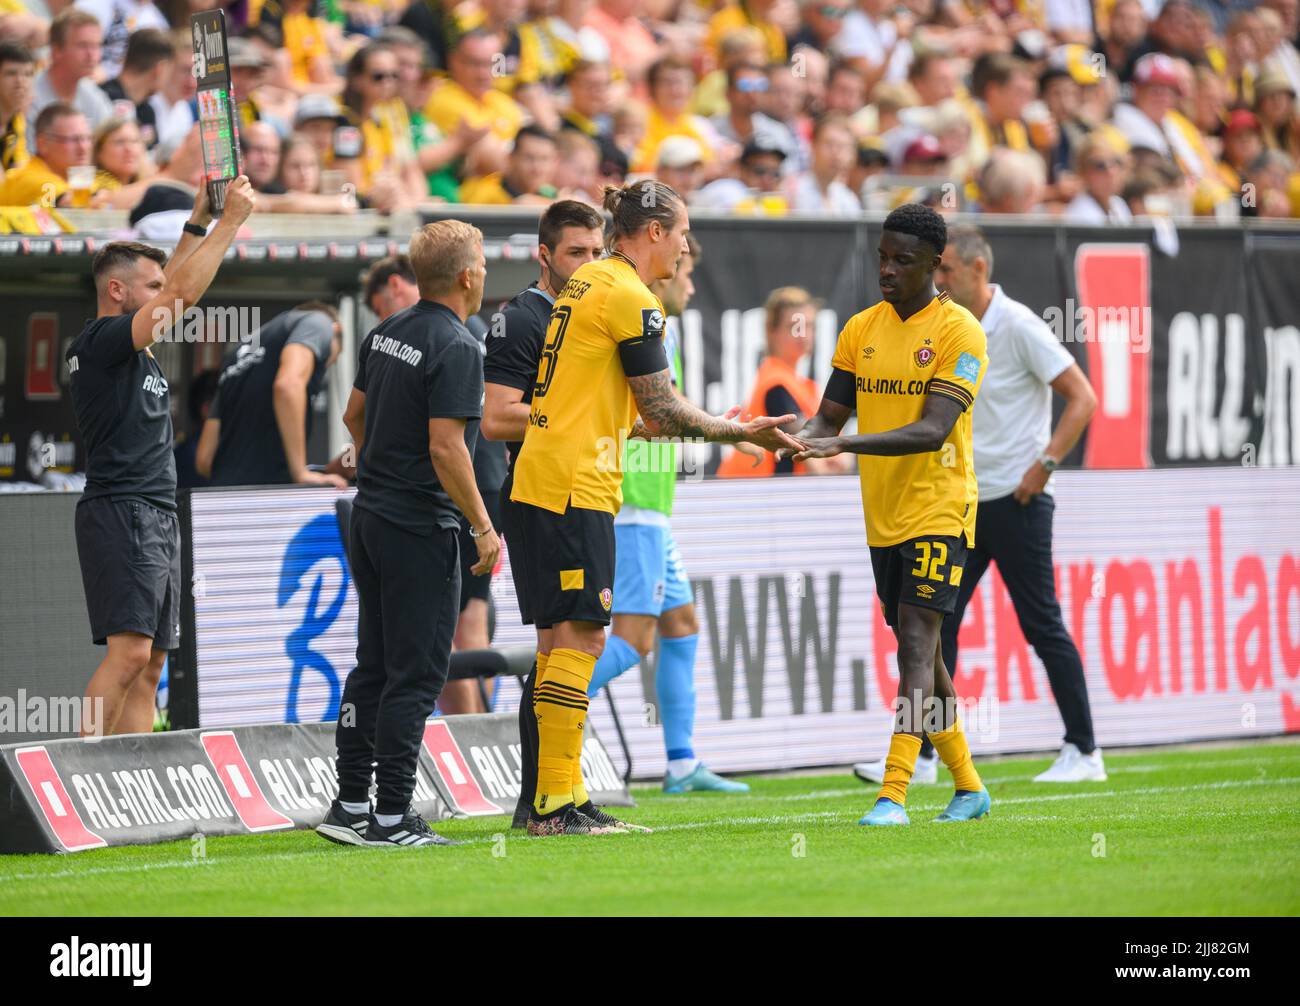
(380, 76)
(834, 13)
(764, 171)
(751, 85)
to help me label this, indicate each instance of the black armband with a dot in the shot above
(643, 355)
(842, 388)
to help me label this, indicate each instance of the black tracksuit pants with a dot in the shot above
(408, 591)
(1019, 539)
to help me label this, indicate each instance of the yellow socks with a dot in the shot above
(899, 765)
(560, 699)
(955, 752)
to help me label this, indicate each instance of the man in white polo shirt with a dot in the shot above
(1016, 451)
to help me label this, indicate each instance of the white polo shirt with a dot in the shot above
(1012, 419)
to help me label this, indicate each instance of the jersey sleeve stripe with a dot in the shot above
(956, 392)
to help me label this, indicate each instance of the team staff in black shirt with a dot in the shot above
(569, 234)
(413, 414)
(128, 540)
(268, 384)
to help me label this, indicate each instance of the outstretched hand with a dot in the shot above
(820, 447)
(766, 432)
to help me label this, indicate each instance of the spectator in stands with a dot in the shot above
(747, 83)
(260, 145)
(249, 68)
(306, 53)
(147, 64)
(755, 190)
(787, 94)
(76, 42)
(1285, 56)
(1125, 30)
(17, 71)
(1209, 104)
(336, 141)
(1172, 33)
(1241, 57)
(1275, 105)
(590, 107)
(670, 81)
(518, 67)
(577, 171)
(632, 48)
(846, 89)
(1004, 86)
(258, 425)
(934, 78)
(430, 23)
(1101, 165)
(120, 19)
(468, 95)
(438, 156)
(821, 22)
(790, 314)
(123, 164)
(63, 141)
(875, 37)
(1153, 121)
(821, 189)
(1243, 143)
(1273, 180)
(174, 104)
(680, 165)
(529, 176)
(748, 13)
(387, 172)
(1012, 181)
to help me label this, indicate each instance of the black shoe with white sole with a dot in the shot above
(411, 832)
(344, 828)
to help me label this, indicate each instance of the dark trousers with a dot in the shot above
(408, 591)
(1019, 539)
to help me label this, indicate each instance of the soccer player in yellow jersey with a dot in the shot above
(911, 367)
(602, 362)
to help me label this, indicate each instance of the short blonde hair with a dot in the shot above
(782, 299)
(440, 252)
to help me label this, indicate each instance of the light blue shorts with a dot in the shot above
(648, 575)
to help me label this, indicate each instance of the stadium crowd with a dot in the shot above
(1094, 111)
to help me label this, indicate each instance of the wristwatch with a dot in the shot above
(479, 534)
(1049, 463)
(195, 229)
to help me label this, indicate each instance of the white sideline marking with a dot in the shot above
(723, 822)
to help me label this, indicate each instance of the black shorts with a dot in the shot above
(924, 571)
(566, 564)
(130, 554)
(472, 586)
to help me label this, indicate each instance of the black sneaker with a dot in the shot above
(344, 828)
(411, 831)
(607, 820)
(566, 821)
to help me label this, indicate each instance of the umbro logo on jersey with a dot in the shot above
(924, 590)
(868, 352)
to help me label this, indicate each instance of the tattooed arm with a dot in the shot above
(664, 414)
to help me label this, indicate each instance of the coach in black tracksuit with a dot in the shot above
(413, 415)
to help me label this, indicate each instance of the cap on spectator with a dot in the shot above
(1157, 68)
(1271, 81)
(162, 211)
(1239, 119)
(757, 145)
(924, 148)
(246, 56)
(316, 106)
(679, 152)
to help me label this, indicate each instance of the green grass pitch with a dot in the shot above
(1204, 831)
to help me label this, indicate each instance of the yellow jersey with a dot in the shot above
(450, 104)
(34, 184)
(940, 350)
(583, 408)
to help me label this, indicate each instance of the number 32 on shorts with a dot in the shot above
(931, 558)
